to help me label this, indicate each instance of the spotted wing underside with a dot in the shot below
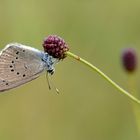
(19, 64)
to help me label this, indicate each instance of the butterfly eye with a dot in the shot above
(51, 71)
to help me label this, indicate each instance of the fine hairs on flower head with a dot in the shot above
(55, 46)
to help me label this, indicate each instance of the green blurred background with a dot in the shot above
(87, 108)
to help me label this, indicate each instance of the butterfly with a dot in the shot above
(20, 64)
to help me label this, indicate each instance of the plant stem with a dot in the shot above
(94, 68)
(132, 78)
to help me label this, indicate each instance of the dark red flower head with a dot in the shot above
(55, 46)
(129, 59)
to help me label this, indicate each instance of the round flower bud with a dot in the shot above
(55, 46)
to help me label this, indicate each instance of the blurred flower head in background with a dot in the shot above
(129, 59)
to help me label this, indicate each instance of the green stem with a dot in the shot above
(104, 76)
(132, 78)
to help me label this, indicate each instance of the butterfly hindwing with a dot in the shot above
(19, 64)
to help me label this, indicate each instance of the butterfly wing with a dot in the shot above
(19, 64)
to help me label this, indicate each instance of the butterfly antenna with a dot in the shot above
(49, 81)
(47, 77)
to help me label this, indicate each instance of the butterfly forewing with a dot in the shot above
(19, 64)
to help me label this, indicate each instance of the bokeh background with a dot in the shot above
(88, 107)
